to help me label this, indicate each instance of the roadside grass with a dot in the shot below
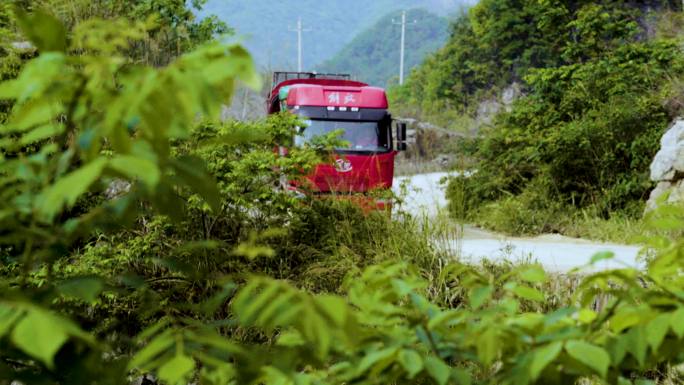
(617, 229)
(445, 266)
(533, 213)
(509, 218)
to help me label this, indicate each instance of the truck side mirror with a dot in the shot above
(401, 136)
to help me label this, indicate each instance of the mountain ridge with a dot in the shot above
(265, 25)
(373, 55)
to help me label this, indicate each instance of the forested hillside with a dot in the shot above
(373, 55)
(264, 25)
(598, 80)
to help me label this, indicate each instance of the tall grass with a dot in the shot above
(617, 228)
(444, 265)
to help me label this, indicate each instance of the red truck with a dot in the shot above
(330, 102)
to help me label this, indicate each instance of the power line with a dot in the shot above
(300, 29)
(403, 41)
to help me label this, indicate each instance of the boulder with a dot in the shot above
(660, 189)
(670, 159)
(676, 192)
(667, 168)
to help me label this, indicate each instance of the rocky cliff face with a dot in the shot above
(488, 109)
(667, 168)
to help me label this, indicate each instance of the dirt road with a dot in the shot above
(424, 196)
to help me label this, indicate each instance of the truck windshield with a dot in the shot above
(362, 136)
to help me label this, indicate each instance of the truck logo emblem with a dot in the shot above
(343, 165)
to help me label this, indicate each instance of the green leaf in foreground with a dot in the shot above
(528, 293)
(542, 357)
(8, 316)
(67, 190)
(335, 307)
(377, 360)
(677, 322)
(480, 295)
(155, 348)
(137, 168)
(590, 355)
(44, 30)
(533, 274)
(438, 369)
(411, 361)
(657, 330)
(602, 256)
(177, 370)
(488, 346)
(85, 288)
(38, 336)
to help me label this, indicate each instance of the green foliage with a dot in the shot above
(582, 138)
(241, 283)
(386, 329)
(371, 56)
(59, 145)
(172, 28)
(10, 58)
(500, 41)
(588, 131)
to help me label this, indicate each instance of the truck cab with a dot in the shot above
(331, 102)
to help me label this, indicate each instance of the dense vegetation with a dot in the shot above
(265, 25)
(140, 235)
(373, 55)
(596, 76)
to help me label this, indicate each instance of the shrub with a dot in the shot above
(590, 129)
(595, 108)
(531, 212)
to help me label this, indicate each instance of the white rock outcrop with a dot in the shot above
(510, 94)
(489, 108)
(667, 168)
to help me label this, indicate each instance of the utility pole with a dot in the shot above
(299, 31)
(403, 41)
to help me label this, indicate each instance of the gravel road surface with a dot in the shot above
(424, 196)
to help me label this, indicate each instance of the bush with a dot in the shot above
(596, 103)
(590, 130)
(533, 211)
